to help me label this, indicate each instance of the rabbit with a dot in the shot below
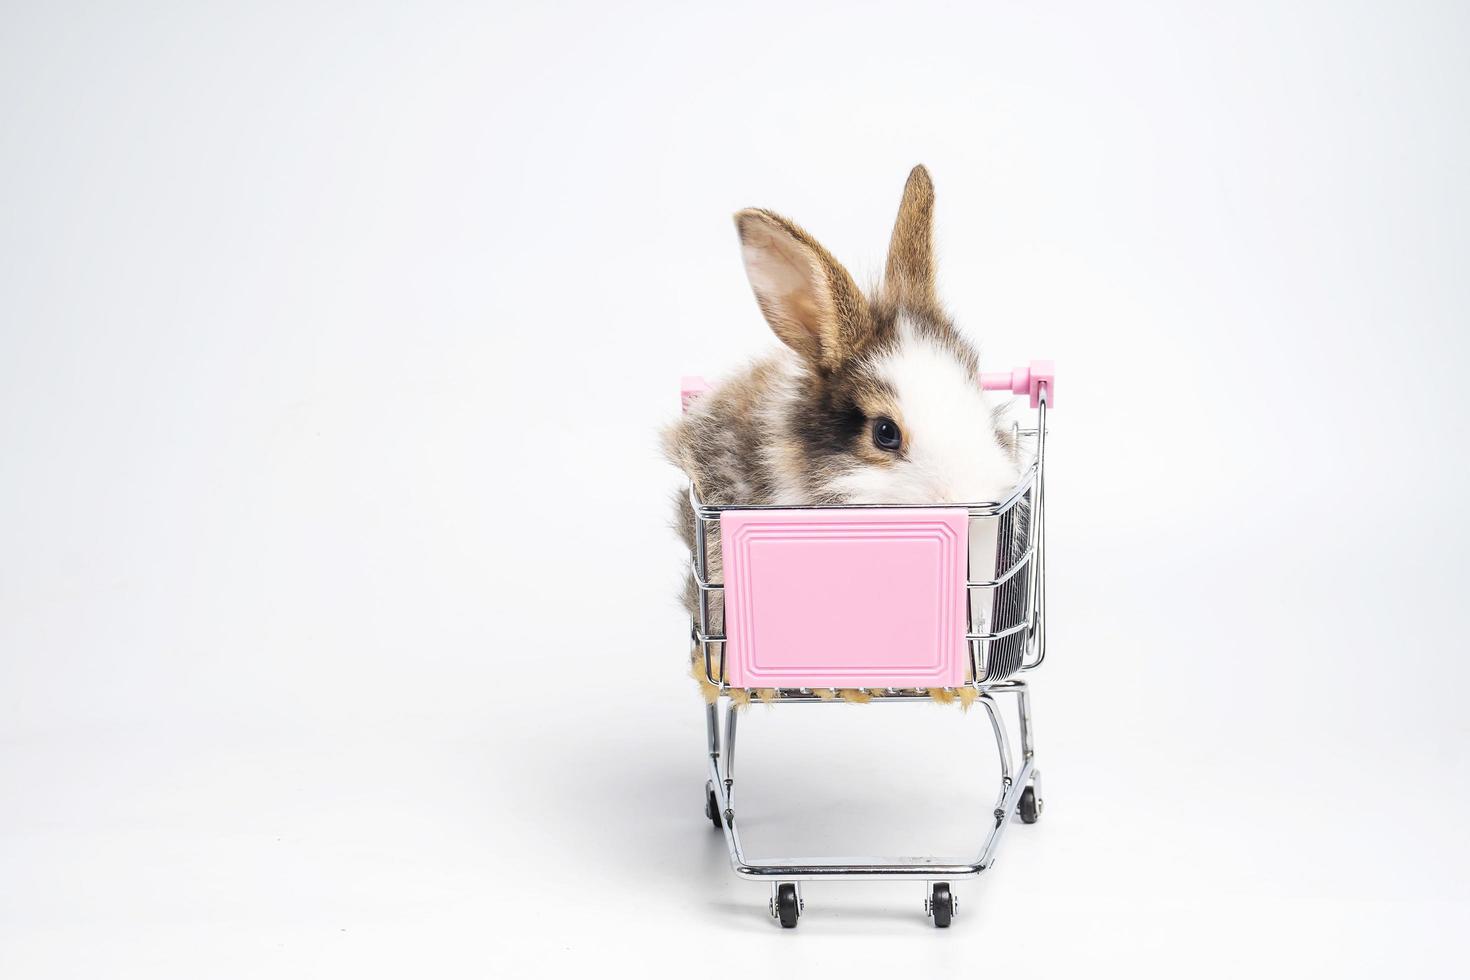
(874, 398)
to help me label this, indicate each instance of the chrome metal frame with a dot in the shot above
(1014, 643)
(1016, 775)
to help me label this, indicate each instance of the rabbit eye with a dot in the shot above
(886, 434)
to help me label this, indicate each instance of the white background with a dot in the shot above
(337, 619)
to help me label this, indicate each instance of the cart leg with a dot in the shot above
(1023, 709)
(713, 796)
(1031, 803)
(731, 716)
(712, 809)
(712, 727)
(1002, 740)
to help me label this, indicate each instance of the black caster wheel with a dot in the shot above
(786, 905)
(712, 804)
(941, 905)
(1030, 807)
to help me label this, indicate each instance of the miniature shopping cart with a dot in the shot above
(817, 605)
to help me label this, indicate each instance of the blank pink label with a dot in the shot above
(842, 598)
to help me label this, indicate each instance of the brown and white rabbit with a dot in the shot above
(874, 398)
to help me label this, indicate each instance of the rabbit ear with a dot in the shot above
(807, 297)
(909, 276)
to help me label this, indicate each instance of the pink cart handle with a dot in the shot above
(1027, 380)
(691, 386)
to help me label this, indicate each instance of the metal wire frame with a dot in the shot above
(1016, 641)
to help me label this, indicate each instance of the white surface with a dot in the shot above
(322, 327)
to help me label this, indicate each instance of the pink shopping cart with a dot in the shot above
(945, 601)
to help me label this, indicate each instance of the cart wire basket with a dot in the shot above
(883, 604)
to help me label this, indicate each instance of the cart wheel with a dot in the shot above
(941, 905)
(711, 804)
(787, 905)
(1030, 807)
